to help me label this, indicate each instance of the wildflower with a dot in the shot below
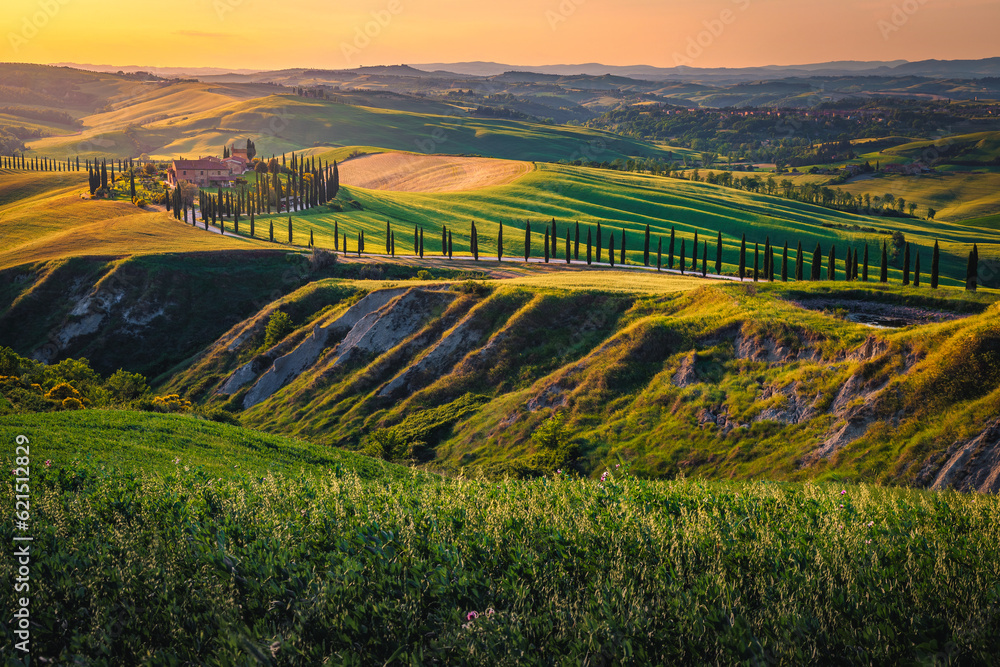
(472, 615)
(871, 523)
(841, 504)
(177, 460)
(48, 463)
(618, 465)
(559, 472)
(843, 492)
(490, 612)
(868, 541)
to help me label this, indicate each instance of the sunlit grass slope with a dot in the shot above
(43, 216)
(188, 542)
(283, 123)
(621, 200)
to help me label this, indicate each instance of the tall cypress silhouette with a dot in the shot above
(670, 250)
(659, 253)
(743, 257)
(500, 244)
(906, 264)
(683, 256)
(611, 249)
(694, 253)
(756, 260)
(546, 245)
(718, 255)
(527, 241)
(576, 245)
(704, 259)
(784, 264)
(568, 257)
(916, 271)
(799, 262)
(884, 276)
(817, 263)
(451, 248)
(645, 248)
(597, 242)
(588, 246)
(972, 269)
(935, 266)
(623, 246)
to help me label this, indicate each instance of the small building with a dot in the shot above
(203, 172)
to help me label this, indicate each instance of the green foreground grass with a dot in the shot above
(140, 558)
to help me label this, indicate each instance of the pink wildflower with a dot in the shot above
(472, 615)
(843, 492)
(48, 463)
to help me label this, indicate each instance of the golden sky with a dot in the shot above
(264, 34)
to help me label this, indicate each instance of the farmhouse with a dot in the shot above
(205, 171)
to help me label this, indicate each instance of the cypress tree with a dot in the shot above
(289, 230)
(743, 257)
(817, 263)
(694, 254)
(588, 246)
(916, 271)
(756, 262)
(251, 227)
(645, 249)
(444, 241)
(546, 245)
(567, 247)
(767, 256)
(552, 239)
(611, 249)
(864, 269)
(388, 238)
(500, 244)
(906, 264)
(770, 266)
(360, 243)
(475, 242)
(683, 256)
(704, 259)
(392, 244)
(421, 243)
(670, 250)
(935, 266)
(831, 264)
(311, 237)
(131, 183)
(784, 264)
(576, 244)
(884, 277)
(799, 262)
(450, 247)
(659, 253)
(527, 240)
(623, 247)
(718, 255)
(598, 243)
(972, 270)
(270, 233)
(336, 236)
(335, 186)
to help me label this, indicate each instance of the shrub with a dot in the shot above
(125, 386)
(278, 326)
(171, 403)
(72, 404)
(63, 391)
(424, 274)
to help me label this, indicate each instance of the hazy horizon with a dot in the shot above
(245, 34)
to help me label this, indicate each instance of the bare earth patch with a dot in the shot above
(403, 172)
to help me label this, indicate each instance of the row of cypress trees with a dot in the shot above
(36, 163)
(766, 265)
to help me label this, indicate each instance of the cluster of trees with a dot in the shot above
(308, 183)
(36, 163)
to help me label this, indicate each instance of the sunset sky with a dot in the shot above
(259, 34)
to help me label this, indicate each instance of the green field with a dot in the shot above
(148, 550)
(630, 201)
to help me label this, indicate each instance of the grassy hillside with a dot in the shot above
(44, 216)
(724, 381)
(170, 540)
(197, 124)
(631, 201)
